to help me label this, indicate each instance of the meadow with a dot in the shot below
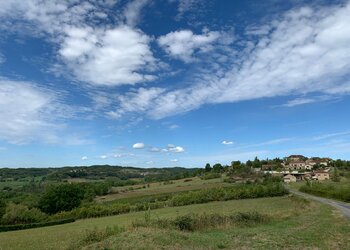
(297, 223)
(154, 188)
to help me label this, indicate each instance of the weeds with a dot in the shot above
(195, 222)
(95, 235)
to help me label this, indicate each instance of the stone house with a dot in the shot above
(321, 175)
(289, 178)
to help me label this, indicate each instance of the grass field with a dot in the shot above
(141, 190)
(316, 227)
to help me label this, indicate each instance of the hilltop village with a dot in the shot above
(298, 167)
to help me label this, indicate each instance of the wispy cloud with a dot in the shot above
(274, 66)
(308, 100)
(331, 135)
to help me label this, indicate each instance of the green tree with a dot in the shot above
(63, 197)
(217, 168)
(207, 167)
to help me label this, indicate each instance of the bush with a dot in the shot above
(21, 214)
(211, 175)
(63, 197)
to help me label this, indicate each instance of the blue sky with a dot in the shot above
(172, 83)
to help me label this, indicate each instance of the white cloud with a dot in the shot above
(155, 149)
(107, 57)
(29, 113)
(174, 160)
(227, 142)
(103, 157)
(331, 135)
(132, 11)
(138, 145)
(177, 149)
(183, 44)
(174, 126)
(150, 162)
(98, 54)
(138, 101)
(307, 100)
(84, 158)
(281, 63)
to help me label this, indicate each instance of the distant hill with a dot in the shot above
(95, 172)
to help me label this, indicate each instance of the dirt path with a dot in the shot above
(342, 206)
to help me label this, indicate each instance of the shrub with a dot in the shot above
(63, 197)
(211, 175)
(21, 214)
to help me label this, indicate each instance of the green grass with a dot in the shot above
(328, 189)
(61, 236)
(161, 188)
(296, 225)
(316, 228)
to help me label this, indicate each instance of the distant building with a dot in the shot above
(289, 178)
(297, 165)
(321, 175)
(300, 162)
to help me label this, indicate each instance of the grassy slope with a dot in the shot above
(59, 237)
(160, 188)
(319, 227)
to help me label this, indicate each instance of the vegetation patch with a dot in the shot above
(333, 190)
(196, 222)
(95, 235)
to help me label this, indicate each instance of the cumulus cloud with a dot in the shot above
(174, 160)
(183, 44)
(138, 145)
(84, 158)
(103, 157)
(227, 142)
(107, 57)
(97, 54)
